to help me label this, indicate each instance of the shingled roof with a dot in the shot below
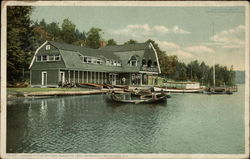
(85, 50)
(126, 47)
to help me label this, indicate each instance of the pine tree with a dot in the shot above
(19, 41)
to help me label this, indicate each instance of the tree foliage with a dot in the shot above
(19, 41)
(131, 41)
(68, 31)
(200, 72)
(23, 37)
(94, 38)
(111, 42)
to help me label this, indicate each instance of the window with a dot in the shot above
(133, 76)
(44, 58)
(51, 58)
(99, 61)
(89, 60)
(94, 60)
(38, 58)
(133, 63)
(107, 62)
(149, 63)
(112, 62)
(143, 62)
(155, 63)
(119, 63)
(57, 57)
(85, 59)
(47, 47)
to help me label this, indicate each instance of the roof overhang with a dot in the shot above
(157, 60)
(34, 57)
(155, 73)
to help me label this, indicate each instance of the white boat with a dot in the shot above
(159, 89)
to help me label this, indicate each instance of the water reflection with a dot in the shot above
(90, 124)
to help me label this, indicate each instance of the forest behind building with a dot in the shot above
(24, 36)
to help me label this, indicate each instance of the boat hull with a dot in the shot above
(158, 99)
(158, 89)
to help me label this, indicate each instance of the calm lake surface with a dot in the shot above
(187, 123)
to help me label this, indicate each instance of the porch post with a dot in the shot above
(69, 75)
(105, 79)
(74, 76)
(78, 76)
(82, 76)
(141, 79)
(98, 77)
(102, 77)
(87, 77)
(90, 80)
(130, 79)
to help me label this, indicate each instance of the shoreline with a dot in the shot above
(18, 94)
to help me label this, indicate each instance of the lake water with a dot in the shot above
(187, 123)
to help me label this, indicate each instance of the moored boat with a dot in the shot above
(89, 85)
(154, 99)
(218, 92)
(159, 89)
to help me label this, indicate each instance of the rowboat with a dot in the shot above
(120, 86)
(141, 93)
(154, 99)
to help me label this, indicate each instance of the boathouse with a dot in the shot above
(129, 64)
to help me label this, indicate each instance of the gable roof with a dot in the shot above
(126, 47)
(123, 53)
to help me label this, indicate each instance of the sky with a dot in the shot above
(209, 34)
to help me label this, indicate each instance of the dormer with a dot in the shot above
(133, 61)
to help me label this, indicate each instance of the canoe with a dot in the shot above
(109, 86)
(89, 85)
(158, 99)
(120, 86)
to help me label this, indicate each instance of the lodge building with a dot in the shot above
(129, 64)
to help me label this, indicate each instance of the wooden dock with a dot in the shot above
(66, 93)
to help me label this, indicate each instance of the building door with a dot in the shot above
(112, 78)
(62, 77)
(44, 78)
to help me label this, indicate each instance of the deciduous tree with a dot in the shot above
(94, 38)
(111, 42)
